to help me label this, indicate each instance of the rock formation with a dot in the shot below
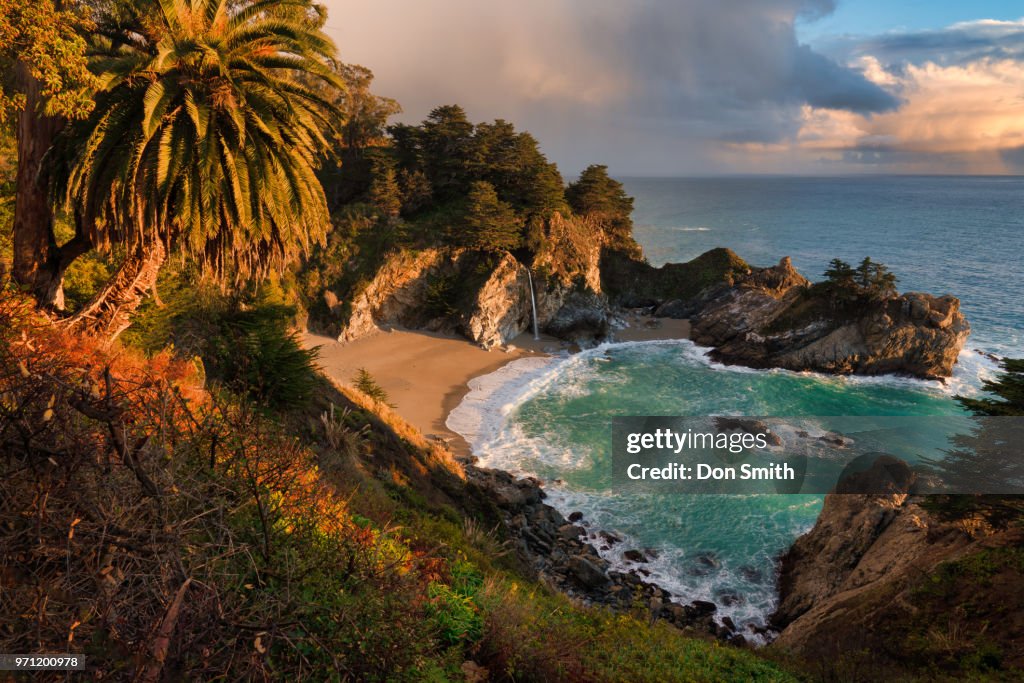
(759, 317)
(486, 296)
(772, 318)
(875, 581)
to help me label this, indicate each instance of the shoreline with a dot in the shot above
(426, 374)
(560, 551)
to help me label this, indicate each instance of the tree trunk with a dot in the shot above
(109, 313)
(36, 263)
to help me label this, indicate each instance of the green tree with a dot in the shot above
(598, 195)
(385, 193)
(205, 139)
(870, 280)
(979, 459)
(45, 80)
(490, 224)
(513, 163)
(416, 190)
(365, 383)
(449, 151)
(875, 280)
(366, 114)
(1006, 392)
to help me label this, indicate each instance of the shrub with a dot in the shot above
(365, 383)
(257, 355)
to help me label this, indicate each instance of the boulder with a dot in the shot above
(588, 574)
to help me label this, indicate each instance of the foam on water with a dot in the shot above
(548, 417)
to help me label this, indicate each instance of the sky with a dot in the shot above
(702, 87)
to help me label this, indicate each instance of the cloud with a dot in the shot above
(646, 86)
(962, 111)
(959, 43)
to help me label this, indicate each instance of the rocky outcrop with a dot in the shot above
(772, 318)
(881, 579)
(561, 553)
(675, 290)
(486, 296)
(396, 294)
(500, 308)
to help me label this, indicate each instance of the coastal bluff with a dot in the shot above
(577, 289)
(869, 588)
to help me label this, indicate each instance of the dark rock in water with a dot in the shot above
(729, 598)
(748, 426)
(751, 574)
(651, 553)
(587, 573)
(729, 623)
(708, 559)
(575, 516)
(610, 538)
(833, 440)
(703, 607)
(634, 556)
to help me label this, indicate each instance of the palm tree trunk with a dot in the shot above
(109, 313)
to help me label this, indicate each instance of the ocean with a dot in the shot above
(550, 417)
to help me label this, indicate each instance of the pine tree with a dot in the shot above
(490, 224)
(598, 195)
(979, 459)
(385, 193)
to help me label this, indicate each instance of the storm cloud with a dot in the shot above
(645, 86)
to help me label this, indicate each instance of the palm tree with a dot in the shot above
(204, 141)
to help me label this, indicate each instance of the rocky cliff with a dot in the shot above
(773, 318)
(759, 317)
(486, 296)
(882, 583)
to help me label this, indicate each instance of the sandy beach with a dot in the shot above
(426, 375)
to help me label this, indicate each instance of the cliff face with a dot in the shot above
(769, 318)
(486, 296)
(880, 585)
(396, 294)
(759, 317)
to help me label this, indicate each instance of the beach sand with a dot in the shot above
(426, 375)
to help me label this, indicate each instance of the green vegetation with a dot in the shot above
(596, 194)
(1006, 392)
(183, 533)
(846, 286)
(491, 223)
(946, 639)
(256, 354)
(978, 458)
(621, 274)
(364, 382)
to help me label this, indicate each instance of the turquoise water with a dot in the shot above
(551, 417)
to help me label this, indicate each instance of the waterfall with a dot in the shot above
(533, 305)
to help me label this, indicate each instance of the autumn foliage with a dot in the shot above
(166, 531)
